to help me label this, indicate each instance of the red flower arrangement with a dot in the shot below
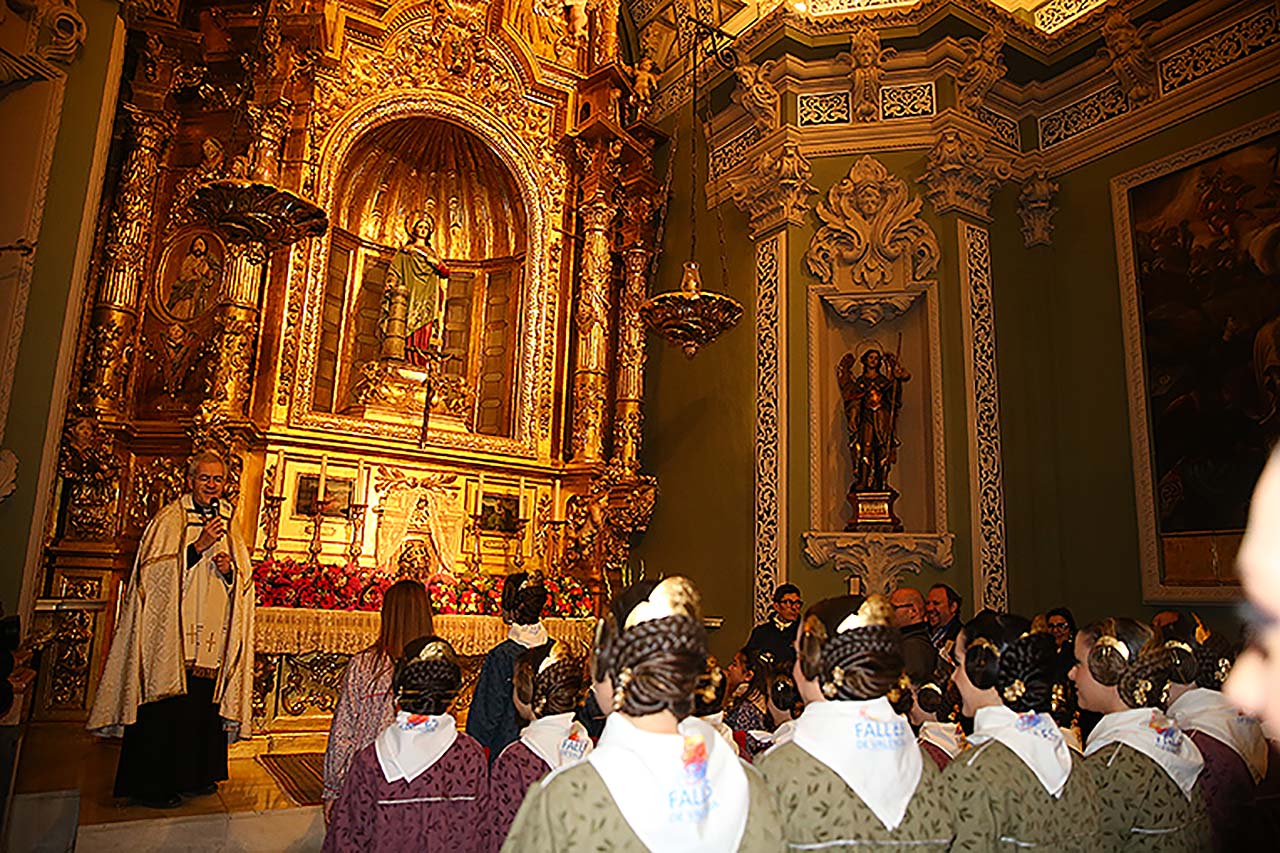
(316, 586)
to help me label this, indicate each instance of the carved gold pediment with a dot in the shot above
(872, 236)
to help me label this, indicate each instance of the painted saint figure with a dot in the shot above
(416, 279)
(197, 279)
(871, 404)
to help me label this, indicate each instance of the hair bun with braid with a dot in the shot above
(846, 644)
(658, 658)
(427, 677)
(1001, 653)
(1127, 655)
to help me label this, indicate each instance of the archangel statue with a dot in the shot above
(413, 303)
(871, 403)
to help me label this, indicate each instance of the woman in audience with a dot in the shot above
(1018, 786)
(748, 709)
(548, 684)
(421, 785)
(365, 705)
(708, 702)
(660, 779)
(941, 741)
(1232, 745)
(1144, 767)
(852, 775)
(491, 718)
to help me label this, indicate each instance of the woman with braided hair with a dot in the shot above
(1144, 767)
(491, 719)
(852, 775)
(1234, 749)
(660, 779)
(1019, 785)
(421, 785)
(548, 683)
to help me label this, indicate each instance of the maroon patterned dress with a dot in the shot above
(1230, 795)
(517, 769)
(444, 809)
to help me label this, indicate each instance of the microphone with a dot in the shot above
(213, 506)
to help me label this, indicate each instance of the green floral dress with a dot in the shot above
(1142, 808)
(819, 809)
(999, 804)
(574, 812)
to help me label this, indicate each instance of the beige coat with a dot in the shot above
(145, 663)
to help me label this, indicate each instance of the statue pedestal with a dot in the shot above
(876, 559)
(396, 393)
(873, 512)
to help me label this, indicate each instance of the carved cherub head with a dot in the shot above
(865, 48)
(869, 199)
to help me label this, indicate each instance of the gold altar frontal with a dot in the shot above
(301, 655)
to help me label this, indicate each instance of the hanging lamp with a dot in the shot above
(691, 317)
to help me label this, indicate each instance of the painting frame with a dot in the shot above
(1155, 589)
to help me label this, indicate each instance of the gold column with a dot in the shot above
(110, 345)
(590, 383)
(628, 423)
(236, 322)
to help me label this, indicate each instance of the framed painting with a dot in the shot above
(1198, 249)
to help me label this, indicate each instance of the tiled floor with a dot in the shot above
(63, 756)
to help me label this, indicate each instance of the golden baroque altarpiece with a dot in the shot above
(227, 314)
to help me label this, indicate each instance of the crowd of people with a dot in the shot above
(860, 722)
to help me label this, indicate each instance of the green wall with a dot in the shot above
(1069, 488)
(88, 78)
(1071, 528)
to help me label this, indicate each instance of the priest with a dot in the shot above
(178, 682)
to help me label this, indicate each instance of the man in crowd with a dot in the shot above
(776, 638)
(942, 612)
(908, 618)
(178, 681)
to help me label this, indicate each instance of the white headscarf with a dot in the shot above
(557, 739)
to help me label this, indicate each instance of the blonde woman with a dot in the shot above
(365, 705)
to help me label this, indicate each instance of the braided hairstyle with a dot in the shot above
(655, 654)
(1125, 654)
(549, 679)
(523, 597)
(427, 676)
(1199, 657)
(1001, 653)
(849, 647)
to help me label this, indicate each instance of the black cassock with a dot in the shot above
(177, 746)
(491, 719)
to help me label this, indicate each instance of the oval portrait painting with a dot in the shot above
(192, 274)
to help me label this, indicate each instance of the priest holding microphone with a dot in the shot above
(178, 681)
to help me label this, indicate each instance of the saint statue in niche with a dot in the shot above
(414, 299)
(198, 275)
(871, 403)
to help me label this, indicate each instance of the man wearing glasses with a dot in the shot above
(776, 638)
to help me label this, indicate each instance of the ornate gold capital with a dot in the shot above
(1036, 208)
(776, 192)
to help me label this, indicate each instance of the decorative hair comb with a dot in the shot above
(1109, 642)
(674, 596)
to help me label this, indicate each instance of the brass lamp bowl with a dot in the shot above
(690, 317)
(256, 212)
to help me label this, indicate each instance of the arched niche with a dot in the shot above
(391, 172)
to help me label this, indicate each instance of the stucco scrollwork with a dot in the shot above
(872, 227)
(866, 60)
(755, 94)
(776, 192)
(877, 559)
(1036, 208)
(982, 67)
(958, 177)
(1131, 59)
